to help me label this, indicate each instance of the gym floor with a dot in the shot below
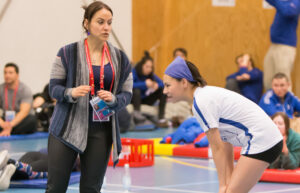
(167, 175)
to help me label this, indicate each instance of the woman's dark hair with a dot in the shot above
(200, 81)
(182, 50)
(91, 9)
(140, 64)
(12, 65)
(285, 119)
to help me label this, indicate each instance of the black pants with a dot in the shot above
(26, 126)
(37, 160)
(233, 85)
(150, 100)
(94, 161)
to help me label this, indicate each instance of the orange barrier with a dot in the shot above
(283, 176)
(135, 152)
(198, 152)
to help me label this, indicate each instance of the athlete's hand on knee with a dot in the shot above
(222, 189)
(80, 91)
(105, 95)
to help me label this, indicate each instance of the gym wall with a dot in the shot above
(213, 36)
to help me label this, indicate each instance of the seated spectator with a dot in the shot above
(180, 52)
(248, 80)
(43, 106)
(147, 88)
(279, 98)
(290, 156)
(15, 101)
(40, 99)
(32, 165)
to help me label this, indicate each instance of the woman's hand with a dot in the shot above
(245, 76)
(285, 149)
(149, 83)
(155, 86)
(80, 91)
(105, 95)
(37, 102)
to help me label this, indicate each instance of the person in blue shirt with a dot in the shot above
(147, 87)
(248, 81)
(279, 98)
(282, 52)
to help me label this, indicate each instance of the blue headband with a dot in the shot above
(178, 69)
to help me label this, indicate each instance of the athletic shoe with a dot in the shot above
(3, 158)
(163, 123)
(7, 173)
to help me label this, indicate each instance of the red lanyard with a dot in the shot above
(92, 83)
(14, 97)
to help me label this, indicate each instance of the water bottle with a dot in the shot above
(126, 179)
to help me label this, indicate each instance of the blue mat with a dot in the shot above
(41, 183)
(37, 135)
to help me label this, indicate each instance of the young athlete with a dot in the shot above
(228, 120)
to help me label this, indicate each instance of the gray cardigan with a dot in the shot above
(69, 122)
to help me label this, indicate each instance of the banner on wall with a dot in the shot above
(266, 5)
(223, 3)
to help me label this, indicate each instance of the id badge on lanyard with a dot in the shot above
(101, 111)
(10, 114)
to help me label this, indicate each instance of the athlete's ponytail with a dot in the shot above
(199, 80)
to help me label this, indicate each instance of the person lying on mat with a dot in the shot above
(32, 165)
(290, 155)
(228, 119)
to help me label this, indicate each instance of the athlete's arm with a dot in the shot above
(223, 157)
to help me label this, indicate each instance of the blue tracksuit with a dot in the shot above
(252, 89)
(140, 82)
(284, 27)
(271, 103)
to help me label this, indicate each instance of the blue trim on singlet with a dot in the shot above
(240, 126)
(200, 114)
